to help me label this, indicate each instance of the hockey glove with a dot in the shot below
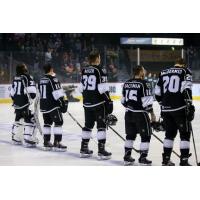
(158, 125)
(109, 107)
(63, 105)
(111, 120)
(190, 112)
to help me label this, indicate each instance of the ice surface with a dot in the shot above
(17, 155)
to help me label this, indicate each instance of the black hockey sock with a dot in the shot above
(101, 144)
(84, 144)
(167, 152)
(143, 154)
(127, 151)
(47, 138)
(184, 153)
(102, 141)
(57, 138)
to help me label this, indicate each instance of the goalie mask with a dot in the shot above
(158, 126)
(111, 120)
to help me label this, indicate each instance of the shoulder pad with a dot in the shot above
(188, 70)
(104, 70)
(55, 79)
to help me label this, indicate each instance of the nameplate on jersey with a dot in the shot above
(132, 85)
(172, 71)
(89, 71)
(44, 81)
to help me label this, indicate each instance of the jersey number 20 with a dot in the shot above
(171, 84)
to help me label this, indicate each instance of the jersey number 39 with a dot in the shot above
(89, 82)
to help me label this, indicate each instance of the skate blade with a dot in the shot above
(59, 150)
(29, 145)
(143, 164)
(128, 163)
(167, 165)
(104, 157)
(45, 148)
(16, 143)
(85, 155)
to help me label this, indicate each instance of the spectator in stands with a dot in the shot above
(48, 55)
(112, 73)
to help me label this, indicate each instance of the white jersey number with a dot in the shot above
(17, 87)
(89, 82)
(131, 95)
(43, 91)
(171, 84)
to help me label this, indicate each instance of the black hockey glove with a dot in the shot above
(190, 112)
(63, 105)
(158, 126)
(109, 107)
(111, 120)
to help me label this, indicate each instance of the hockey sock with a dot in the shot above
(128, 152)
(57, 138)
(47, 138)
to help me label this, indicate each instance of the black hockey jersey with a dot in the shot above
(18, 91)
(137, 96)
(50, 93)
(174, 86)
(93, 86)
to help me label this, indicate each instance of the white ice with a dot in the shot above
(18, 155)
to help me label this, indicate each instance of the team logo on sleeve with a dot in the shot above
(148, 85)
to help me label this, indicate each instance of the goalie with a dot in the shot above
(23, 133)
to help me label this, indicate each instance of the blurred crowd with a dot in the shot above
(67, 52)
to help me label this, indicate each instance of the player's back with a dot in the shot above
(91, 77)
(171, 84)
(18, 92)
(134, 92)
(47, 85)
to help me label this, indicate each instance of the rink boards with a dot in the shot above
(115, 91)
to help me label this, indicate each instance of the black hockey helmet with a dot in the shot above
(111, 120)
(158, 126)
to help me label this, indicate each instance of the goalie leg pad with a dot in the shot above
(30, 139)
(17, 133)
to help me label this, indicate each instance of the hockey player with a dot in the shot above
(174, 93)
(52, 105)
(23, 83)
(138, 100)
(97, 105)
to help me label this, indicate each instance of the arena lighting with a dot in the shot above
(152, 41)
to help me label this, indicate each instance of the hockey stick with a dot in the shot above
(194, 145)
(78, 123)
(162, 143)
(136, 150)
(74, 119)
(35, 114)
